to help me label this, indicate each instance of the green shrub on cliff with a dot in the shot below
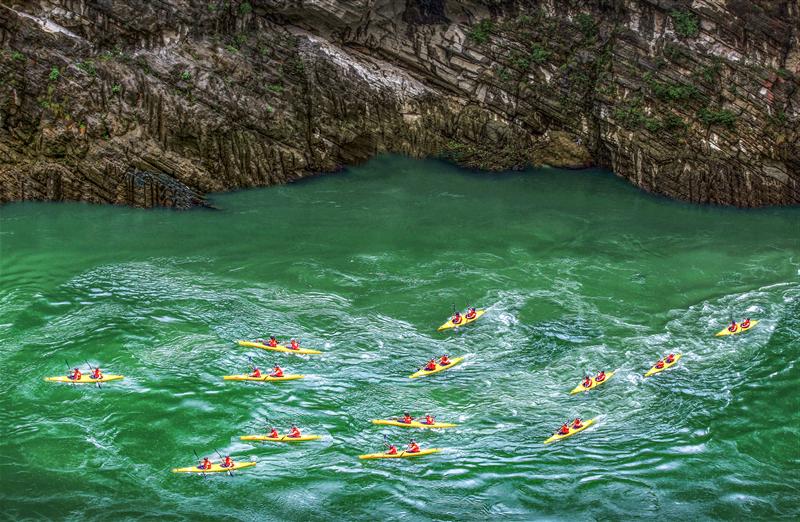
(294, 67)
(481, 31)
(54, 74)
(245, 8)
(88, 67)
(685, 22)
(586, 25)
(539, 54)
(630, 116)
(721, 117)
(673, 91)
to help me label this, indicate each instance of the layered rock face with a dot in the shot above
(157, 102)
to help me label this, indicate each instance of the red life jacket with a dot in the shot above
(471, 314)
(273, 343)
(392, 450)
(429, 420)
(444, 361)
(228, 463)
(600, 377)
(294, 345)
(660, 364)
(587, 383)
(96, 374)
(408, 419)
(76, 375)
(670, 359)
(295, 433)
(564, 429)
(576, 424)
(206, 464)
(413, 447)
(732, 327)
(277, 372)
(274, 434)
(256, 373)
(430, 366)
(745, 324)
(456, 319)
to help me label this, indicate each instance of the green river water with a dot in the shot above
(578, 272)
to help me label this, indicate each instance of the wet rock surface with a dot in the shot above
(155, 103)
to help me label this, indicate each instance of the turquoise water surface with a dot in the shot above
(578, 272)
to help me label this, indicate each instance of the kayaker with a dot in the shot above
(205, 464)
(471, 313)
(430, 366)
(413, 447)
(227, 463)
(600, 377)
(273, 434)
(587, 382)
(256, 372)
(732, 327)
(577, 424)
(670, 358)
(457, 319)
(276, 372)
(392, 449)
(97, 374)
(294, 345)
(408, 419)
(272, 343)
(429, 419)
(444, 361)
(745, 324)
(294, 432)
(76, 375)
(564, 429)
(660, 364)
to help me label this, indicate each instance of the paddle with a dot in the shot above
(253, 365)
(69, 368)
(386, 442)
(230, 473)
(92, 369)
(270, 426)
(198, 460)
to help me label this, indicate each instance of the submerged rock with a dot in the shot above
(156, 103)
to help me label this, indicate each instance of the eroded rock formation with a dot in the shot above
(157, 102)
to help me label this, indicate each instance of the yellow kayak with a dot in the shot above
(246, 377)
(654, 370)
(572, 432)
(85, 379)
(400, 455)
(279, 348)
(738, 330)
(464, 321)
(215, 468)
(580, 388)
(282, 438)
(412, 424)
(439, 368)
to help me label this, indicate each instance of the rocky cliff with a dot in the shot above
(157, 102)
